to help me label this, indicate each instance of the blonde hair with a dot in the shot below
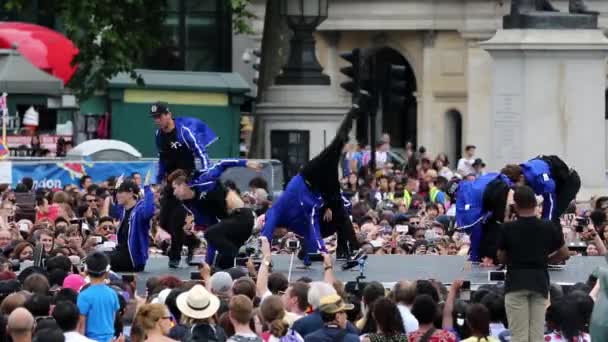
(149, 314)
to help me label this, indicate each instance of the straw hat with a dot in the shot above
(198, 303)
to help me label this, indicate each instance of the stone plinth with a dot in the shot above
(548, 98)
(316, 109)
(550, 20)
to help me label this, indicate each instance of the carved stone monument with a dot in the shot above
(540, 14)
(549, 89)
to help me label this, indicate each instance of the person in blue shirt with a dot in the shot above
(220, 209)
(135, 214)
(317, 185)
(180, 142)
(550, 178)
(97, 303)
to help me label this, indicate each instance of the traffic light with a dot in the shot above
(397, 85)
(353, 72)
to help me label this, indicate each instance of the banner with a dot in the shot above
(58, 174)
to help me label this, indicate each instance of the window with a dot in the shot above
(291, 148)
(197, 37)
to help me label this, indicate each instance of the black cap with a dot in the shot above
(159, 108)
(128, 186)
(478, 161)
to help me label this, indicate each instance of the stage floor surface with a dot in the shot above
(388, 269)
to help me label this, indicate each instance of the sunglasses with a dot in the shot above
(91, 200)
(106, 227)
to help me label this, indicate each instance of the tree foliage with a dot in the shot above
(113, 36)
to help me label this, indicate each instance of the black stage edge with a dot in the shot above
(388, 269)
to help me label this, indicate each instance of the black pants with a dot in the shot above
(321, 174)
(172, 219)
(229, 235)
(565, 193)
(120, 261)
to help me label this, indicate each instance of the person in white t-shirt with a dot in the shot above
(465, 164)
(404, 294)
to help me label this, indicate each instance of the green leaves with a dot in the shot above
(241, 17)
(113, 36)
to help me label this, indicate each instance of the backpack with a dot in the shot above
(469, 201)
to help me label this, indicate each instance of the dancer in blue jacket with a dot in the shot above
(131, 252)
(229, 224)
(550, 178)
(300, 206)
(480, 210)
(180, 142)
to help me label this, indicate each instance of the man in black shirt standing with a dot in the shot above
(526, 246)
(179, 141)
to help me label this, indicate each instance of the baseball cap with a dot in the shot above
(159, 108)
(479, 161)
(333, 303)
(74, 282)
(221, 282)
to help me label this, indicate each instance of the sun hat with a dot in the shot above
(334, 303)
(198, 303)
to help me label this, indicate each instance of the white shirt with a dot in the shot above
(73, 336)
(496, 329)
(465, 166)
(410, 323)
(446, 173)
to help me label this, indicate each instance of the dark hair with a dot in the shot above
(28, 182)
(56, 276)
(524, 197)
(424, 309)
(598, 217)
(38, 305)
(40, 200)
(61, 219)
(567, 318)
(97, 264)
(83, 179)
(387, 317)
(105, 219)
(49, 335)
(36, 283)
(258, 182)
(277, 282)
(178, 176)
(470, 147)
(372, 292)
(58, 262)
(66, 315)
(512, 171)
(171, 303)
(299, 290)
(65, 295)
(478, 319)
(495, 304)
(425, 287)
(244, 286)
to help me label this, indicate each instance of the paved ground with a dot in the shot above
(390, 268)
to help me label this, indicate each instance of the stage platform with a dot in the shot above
(388, 269)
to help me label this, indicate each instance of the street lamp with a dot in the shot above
(303, 17)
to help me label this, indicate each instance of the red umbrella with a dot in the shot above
(48, 50)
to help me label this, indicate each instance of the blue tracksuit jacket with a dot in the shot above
(139, 227)
(194, 134)
(537, 173)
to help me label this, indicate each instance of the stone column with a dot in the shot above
(425, 94)
(476, 121)
(548, 98)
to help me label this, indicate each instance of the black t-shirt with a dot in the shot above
(528, 241)
(213, 203)
(175, 155)
(123, 230)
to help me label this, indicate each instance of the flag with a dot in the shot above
(3, 150)
(3, 104)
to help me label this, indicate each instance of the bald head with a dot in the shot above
(20, 322)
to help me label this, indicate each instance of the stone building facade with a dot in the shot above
(449, 104)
